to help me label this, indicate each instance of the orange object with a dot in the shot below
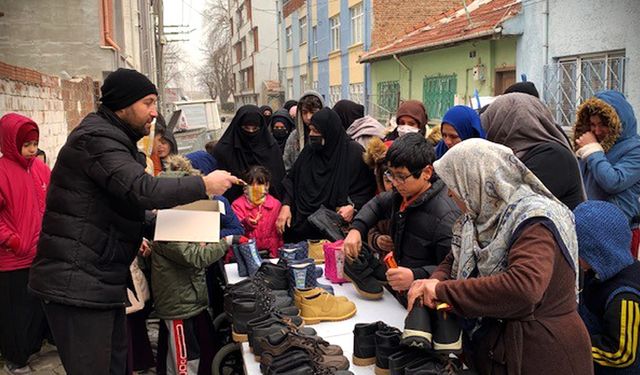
(390, 261)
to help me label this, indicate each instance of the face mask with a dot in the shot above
(406, 129)
(280, 133)
(256, 194)
(316, 142)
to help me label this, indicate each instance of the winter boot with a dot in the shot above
(387, 343)
(399, 361)
(316, 251)
(275, 276)
(249, 252)
(364, 342)
(304, 274)
(293, 251)
(361, 275)
(242, 266)
(316, 305)
(245, 310)
(447, 335)
(417, 327)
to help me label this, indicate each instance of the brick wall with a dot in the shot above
(56, 105)
(394, 18)
(291, 6)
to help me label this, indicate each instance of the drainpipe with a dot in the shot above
(402, 64)
(545, 32)
(106, 32)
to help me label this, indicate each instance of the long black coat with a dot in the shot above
(92, 227)
(421, 233)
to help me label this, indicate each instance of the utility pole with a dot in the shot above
(160, 41)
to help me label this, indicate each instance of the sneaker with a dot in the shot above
(249, 253)
(280, 342)
(447, 336)
(361, 275)
(316, 305)
(14, 369)
(364, 342)
(316, 250)
(417, 327)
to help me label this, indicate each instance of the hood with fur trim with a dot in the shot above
(614, 110)
(374, 157)
(178, 166)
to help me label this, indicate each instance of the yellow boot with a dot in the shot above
(316, 250)
(316, 305)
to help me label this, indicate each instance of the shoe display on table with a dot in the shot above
(304, 273)
(316, 305)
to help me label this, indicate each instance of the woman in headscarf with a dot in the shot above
(330, 171)
(525, 125)
(512, 270)
(348, 111)
(310, 102)
(411, 117)
(281, 126)
(247, 142)
(459, 123)
(266, 112)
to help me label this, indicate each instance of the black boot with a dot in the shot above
(361, 275)
(364, 342)
(447, 336)
(417, 327)
(398, 361)
(387, 343)
(275, 276)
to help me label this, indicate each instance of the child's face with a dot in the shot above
(29, 149)
(406, 183)
(162, 146)
(256, 193)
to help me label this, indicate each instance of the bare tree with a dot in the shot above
(215, 74)
(173, 58)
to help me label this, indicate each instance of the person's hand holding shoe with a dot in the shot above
(352, 244)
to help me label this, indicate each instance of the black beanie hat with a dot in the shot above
(125, 87)
(523, 87)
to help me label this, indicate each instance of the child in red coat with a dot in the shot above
(258, 211)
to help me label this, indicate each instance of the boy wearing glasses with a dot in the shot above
(419, 208)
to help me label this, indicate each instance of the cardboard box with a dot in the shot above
(194, 222)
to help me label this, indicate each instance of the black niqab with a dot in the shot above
(267, 118)
(348, 111)
(237, 151)
(282, 115)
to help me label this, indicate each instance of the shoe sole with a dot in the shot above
(316, 320)
(363, 361)
(239, 337)
(381, 371)
(416, 339)
(362, 293)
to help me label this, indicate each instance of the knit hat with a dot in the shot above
(125, 87)
(523, 87)
(604, 237)
(28, 132)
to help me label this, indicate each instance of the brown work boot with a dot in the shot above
(278, 343)
(316, 305)
(316, 250)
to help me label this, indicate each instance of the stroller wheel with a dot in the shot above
(228, 361)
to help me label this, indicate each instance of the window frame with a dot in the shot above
(334, 27)
(357, 23)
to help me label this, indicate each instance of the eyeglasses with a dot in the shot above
(400, 179)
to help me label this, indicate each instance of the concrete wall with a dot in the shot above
(56, 36)
(266, 58)
(447, 61)
(56, 105)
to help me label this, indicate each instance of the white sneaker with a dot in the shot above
(13, 369)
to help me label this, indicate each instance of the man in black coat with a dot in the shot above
(420, 210)
(92, 226)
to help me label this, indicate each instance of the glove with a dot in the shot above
(236, 240)
(13, 243)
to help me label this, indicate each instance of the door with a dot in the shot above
(505, 77)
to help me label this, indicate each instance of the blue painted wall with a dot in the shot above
(324, 45)
(345, 42)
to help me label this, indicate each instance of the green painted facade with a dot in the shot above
(436, 76)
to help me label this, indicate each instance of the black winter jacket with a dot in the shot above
(92, 226)
(421, 234)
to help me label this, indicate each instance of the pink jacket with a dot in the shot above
(265, 232)
(23, 189)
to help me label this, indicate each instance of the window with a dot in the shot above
(388, 96)
(290, 88)
(288, 38)
(238, 48)
(243, 47)
(334, 94)
(303, 29)
(314, 86)
(303, 83)
(334, 22)
(569, 81)
(356, 92)
(249, 42)
(255, 40)
(357, 20)
(314, 40)
(240, 17)
(438, 94)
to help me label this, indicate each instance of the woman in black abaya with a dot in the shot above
(248, 142)
(330, 171)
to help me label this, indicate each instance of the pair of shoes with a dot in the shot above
(445, 336)
(14, 369)
(247, 258)
(409, 360)
(374, 343)
(270, 326)
(293, 251)
(303, 274)
(317, 305)
(250, 289)
(274, 276)
(316, 250)
(364, 273)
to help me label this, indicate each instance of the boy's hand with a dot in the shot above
(400, 278)
(352, 244)
(385, 243)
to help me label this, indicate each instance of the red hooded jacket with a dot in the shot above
(23, 189)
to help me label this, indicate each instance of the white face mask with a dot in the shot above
(406, 129)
